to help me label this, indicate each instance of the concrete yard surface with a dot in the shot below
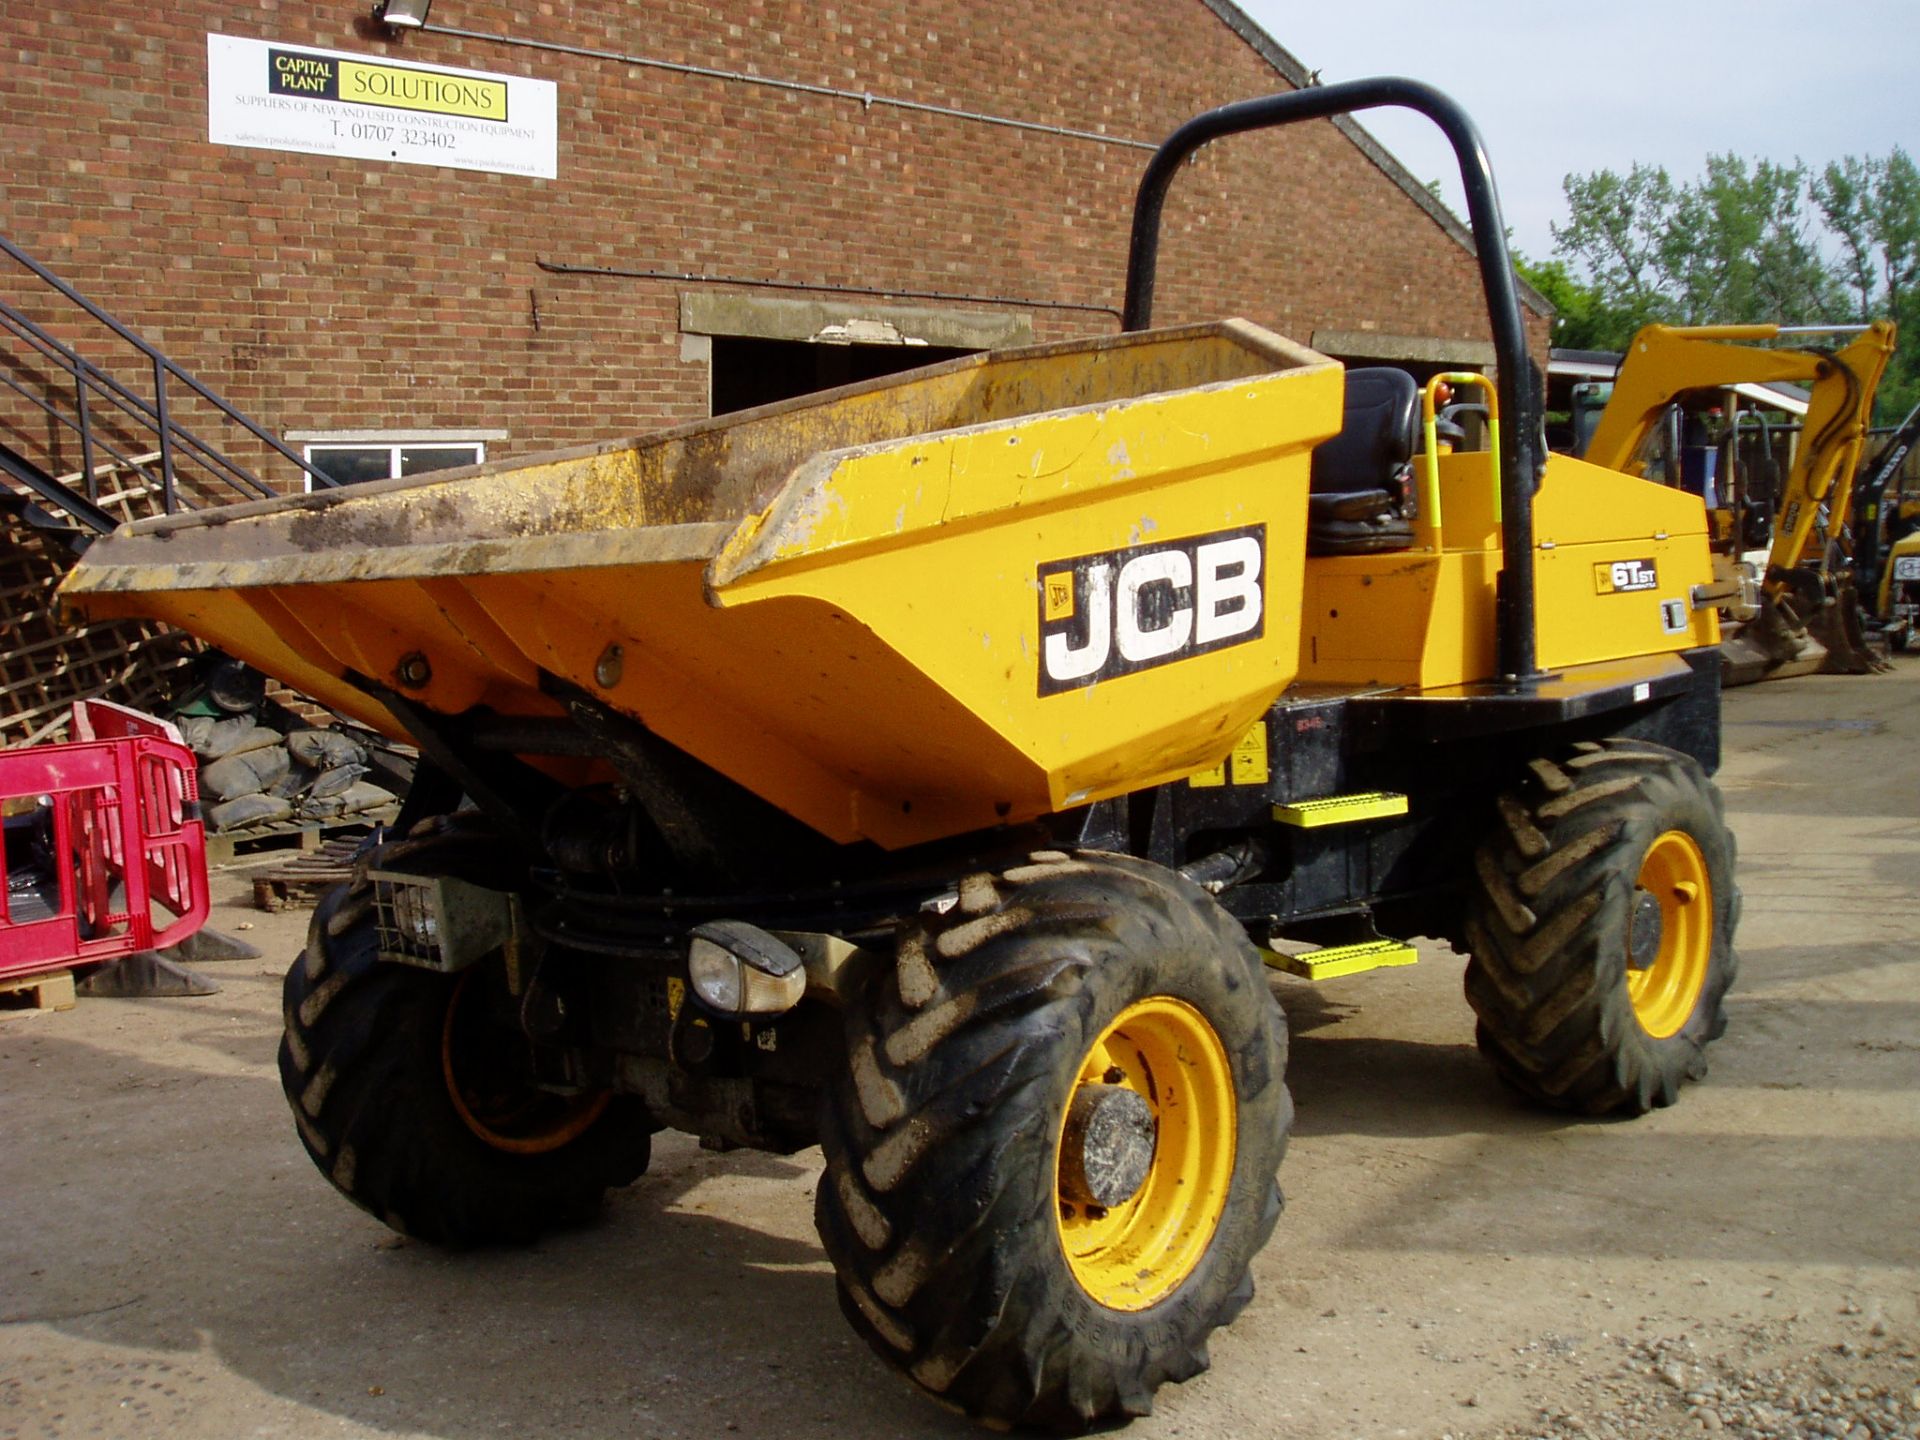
(1451, 1263)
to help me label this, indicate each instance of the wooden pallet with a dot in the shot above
(48, 661)
(307, 836)
(301, 881)
(49, 990)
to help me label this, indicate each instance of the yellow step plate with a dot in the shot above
(1340, 809)
(1333, 960)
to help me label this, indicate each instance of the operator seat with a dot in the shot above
(1360, 495)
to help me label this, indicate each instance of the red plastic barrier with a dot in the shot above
(122, 804)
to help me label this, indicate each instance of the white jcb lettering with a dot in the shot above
(1067, 662)
(1112, 614)
(1141, 638)
(1227, 600)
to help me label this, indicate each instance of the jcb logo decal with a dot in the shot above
(1619, 577)
(1127, 610)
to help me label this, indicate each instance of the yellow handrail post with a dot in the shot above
(1430, 496)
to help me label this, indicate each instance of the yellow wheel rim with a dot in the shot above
(495, 1102)
(1666, 993)
(1135, 1254)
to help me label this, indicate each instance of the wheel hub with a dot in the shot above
(1144, 1153)
(1106, 1148)
(1670, 940)
(1643, 940)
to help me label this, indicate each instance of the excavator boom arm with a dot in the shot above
(1664, 362)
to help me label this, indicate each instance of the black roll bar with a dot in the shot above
(1520, 454)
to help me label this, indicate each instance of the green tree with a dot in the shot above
(1747, 241)
(1614, 235)
(1582, 317)
(1872, 205)
(1735, 246)
(1738, 247)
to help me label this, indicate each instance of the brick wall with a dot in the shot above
(325, 294)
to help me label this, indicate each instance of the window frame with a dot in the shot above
(394, 441)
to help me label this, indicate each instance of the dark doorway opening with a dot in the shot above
(748, 372)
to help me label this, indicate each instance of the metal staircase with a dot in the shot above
(136, 452)
(98, 427)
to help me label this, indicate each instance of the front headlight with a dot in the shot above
(413, 915)
(739, 970)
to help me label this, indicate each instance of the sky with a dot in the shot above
(1558, 88)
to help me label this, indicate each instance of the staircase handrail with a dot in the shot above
(163, 367)
(85, 372)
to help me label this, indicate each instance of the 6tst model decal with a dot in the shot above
(1126, 610)
(1623, 577)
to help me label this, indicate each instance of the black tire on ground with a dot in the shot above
(1550, 925)
(364, 1063)
(941, 1206)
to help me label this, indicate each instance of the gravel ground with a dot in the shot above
(1777, 1383)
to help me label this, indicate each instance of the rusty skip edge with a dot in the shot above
(136, 560)
(143, 570)
(1280, 352)
(365, 533)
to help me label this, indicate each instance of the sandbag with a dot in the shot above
(326, 749)
(235, 737)
(336, 781)
(295, 783)
(355, 798)
(247, 773)
(248, 811)
(195, 730)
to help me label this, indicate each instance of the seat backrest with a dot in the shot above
(1377, 437)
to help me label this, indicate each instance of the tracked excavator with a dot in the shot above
(1888, 531)
(1804, 613)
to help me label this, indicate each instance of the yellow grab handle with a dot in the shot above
(1430, 496)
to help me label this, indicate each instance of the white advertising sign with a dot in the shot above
(365, 107)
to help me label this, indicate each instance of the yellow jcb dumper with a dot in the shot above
(931, 770)
(1808, 615)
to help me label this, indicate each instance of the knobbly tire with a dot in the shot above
(986, 1246)
(372, 1060)
(1600, 921)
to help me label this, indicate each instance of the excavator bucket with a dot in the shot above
(1772, 645)
(1839, 625)
(1813, 627)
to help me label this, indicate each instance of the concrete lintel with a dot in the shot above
(851, 321)
(1424, 350)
